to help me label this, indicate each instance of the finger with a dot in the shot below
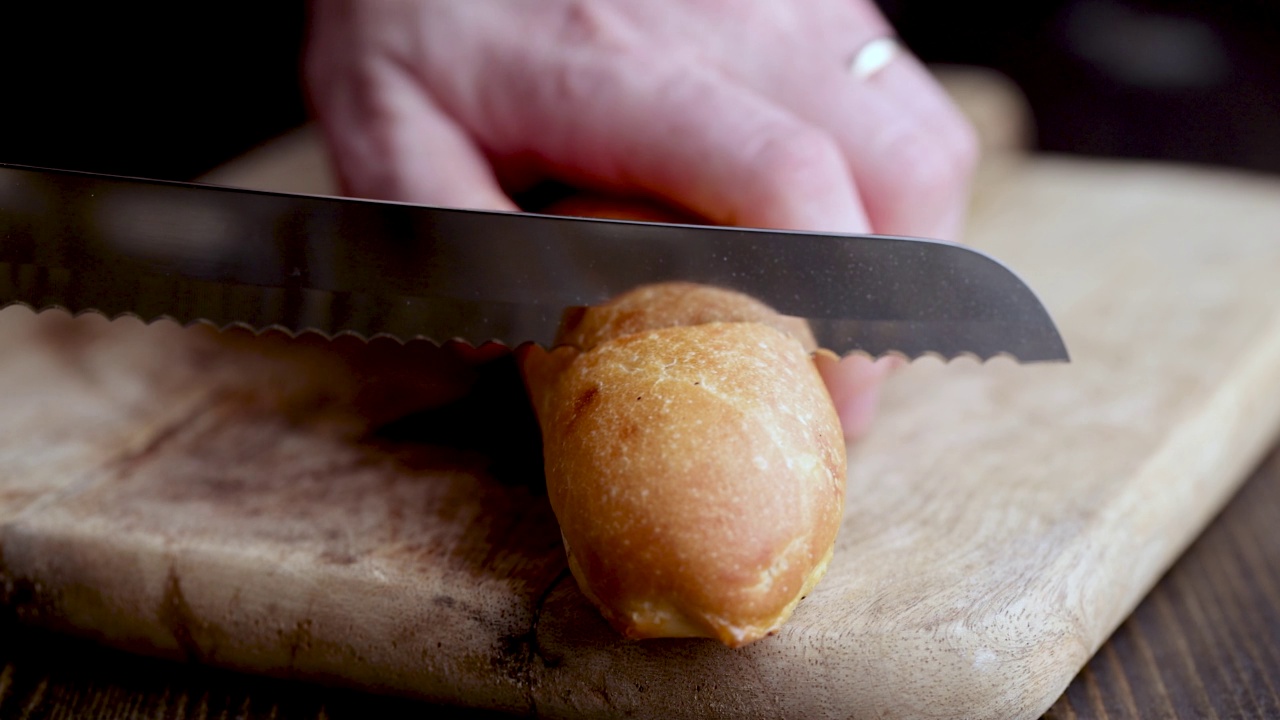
(917, 90)
(911, 153)
(942, 132)
(854, 384)
(625, 121)
(915, 172)
(727, 155)
(389, 140)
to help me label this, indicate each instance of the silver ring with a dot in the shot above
(873, 57)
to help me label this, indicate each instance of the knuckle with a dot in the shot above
(589, 22)
(787, 160)
(592, 48)
(930, 164)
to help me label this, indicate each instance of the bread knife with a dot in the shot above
(234, 257)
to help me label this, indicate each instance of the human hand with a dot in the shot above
(739, 113)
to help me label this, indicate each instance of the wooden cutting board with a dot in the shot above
(234, 502)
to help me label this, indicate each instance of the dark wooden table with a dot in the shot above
(1204, 644)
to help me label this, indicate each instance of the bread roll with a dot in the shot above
(694, 461)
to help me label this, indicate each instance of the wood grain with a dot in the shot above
(241, 507)
(1204, 644)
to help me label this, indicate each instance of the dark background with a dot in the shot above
(173, 90)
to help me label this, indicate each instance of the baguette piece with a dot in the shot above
(694, 461)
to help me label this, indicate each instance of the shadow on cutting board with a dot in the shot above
(493, 419)
(47, 674)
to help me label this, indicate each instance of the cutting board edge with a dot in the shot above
(1247, 441)
(52, 577)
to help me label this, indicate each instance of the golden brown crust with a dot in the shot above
(694, 461)
(672, 304)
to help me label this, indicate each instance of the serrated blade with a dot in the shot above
(229, 256)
